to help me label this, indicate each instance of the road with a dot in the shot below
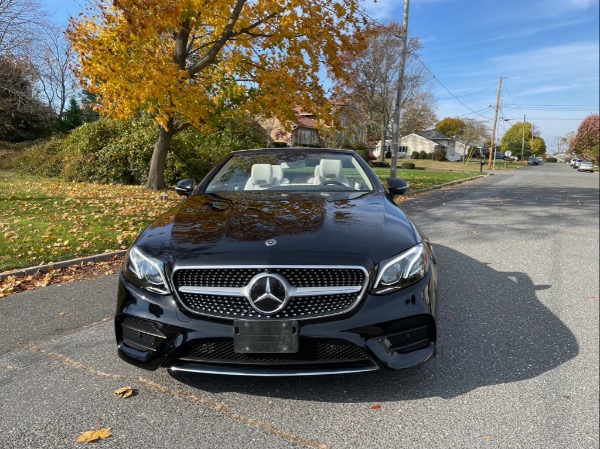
(518, 364)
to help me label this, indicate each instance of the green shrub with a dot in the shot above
(44, 158)
(364, 154)
(407, 165)
(111, 151)
(551, 159)
(439, 155)
(422, 154)
(380, 164)
(193, 155)
(415, 155)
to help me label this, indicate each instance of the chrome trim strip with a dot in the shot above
(267, 267)
(320, 291)
(266, 372)
(293, 292)
(217, 291)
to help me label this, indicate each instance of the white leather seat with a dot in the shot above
(261, 177)
(278, 174)
(330, 170)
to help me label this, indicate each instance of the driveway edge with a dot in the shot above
(62, 264)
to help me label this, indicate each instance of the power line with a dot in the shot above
(468, 95)
(365, 15)
(445, 88)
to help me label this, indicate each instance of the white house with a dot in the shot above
(455, 150)
(429, 141)
(388, 146)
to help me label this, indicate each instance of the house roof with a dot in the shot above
(432, 134)
(304, 119)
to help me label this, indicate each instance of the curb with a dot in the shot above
(105, 256)
(448, 184)
(58, 265)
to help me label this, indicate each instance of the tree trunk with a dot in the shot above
(158, 163)
(382, 150)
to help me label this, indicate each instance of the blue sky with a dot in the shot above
(547, 52)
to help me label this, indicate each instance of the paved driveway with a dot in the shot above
(518, 365)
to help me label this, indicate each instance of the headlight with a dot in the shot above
(145, 272)
(401, 271)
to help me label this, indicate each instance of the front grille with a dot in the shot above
(234, 306)
(311, 351)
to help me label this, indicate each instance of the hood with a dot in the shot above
(297, 226)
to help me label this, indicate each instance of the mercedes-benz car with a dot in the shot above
(280, 262)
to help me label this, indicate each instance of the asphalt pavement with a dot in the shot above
(518, 364)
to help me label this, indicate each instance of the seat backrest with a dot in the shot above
(261, 177)
(278, 174)
(330, 170)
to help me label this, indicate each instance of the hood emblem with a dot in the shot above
(268, 293)
(271, 242)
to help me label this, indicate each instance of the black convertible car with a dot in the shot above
(280, 262)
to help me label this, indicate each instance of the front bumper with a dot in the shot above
(387, 332)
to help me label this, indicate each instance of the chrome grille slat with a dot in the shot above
(315, 291)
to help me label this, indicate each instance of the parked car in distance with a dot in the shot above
(281, 262)
(575, 163)
(586, 166)
(533, 161)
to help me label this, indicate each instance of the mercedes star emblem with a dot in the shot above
(268, 293)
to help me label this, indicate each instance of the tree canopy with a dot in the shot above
(22, 115)
(372, 83)
(522, 137)
(192, 62)
(586, 141)
(451, 127)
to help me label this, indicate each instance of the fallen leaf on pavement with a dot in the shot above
(94, 435)
(376, 407)
(124, 392)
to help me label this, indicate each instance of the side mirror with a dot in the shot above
(185, 187)
(397, 186)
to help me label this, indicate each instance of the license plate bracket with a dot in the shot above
(265, 336)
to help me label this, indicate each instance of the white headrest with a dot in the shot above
(331, 168)
(262, 174)
(277, 172)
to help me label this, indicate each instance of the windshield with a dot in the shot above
(291, 172)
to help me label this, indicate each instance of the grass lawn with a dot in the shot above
(422, 179)
(47, 220)
(471, 165)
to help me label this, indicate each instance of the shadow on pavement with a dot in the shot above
(493, 330)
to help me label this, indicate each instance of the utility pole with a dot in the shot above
(523, 140)
(396, 121)
(494, 127)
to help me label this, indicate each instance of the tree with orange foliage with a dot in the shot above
(586, 141)
(197, 63)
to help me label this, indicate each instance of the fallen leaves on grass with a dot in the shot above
(83, 271)
(94, 435)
